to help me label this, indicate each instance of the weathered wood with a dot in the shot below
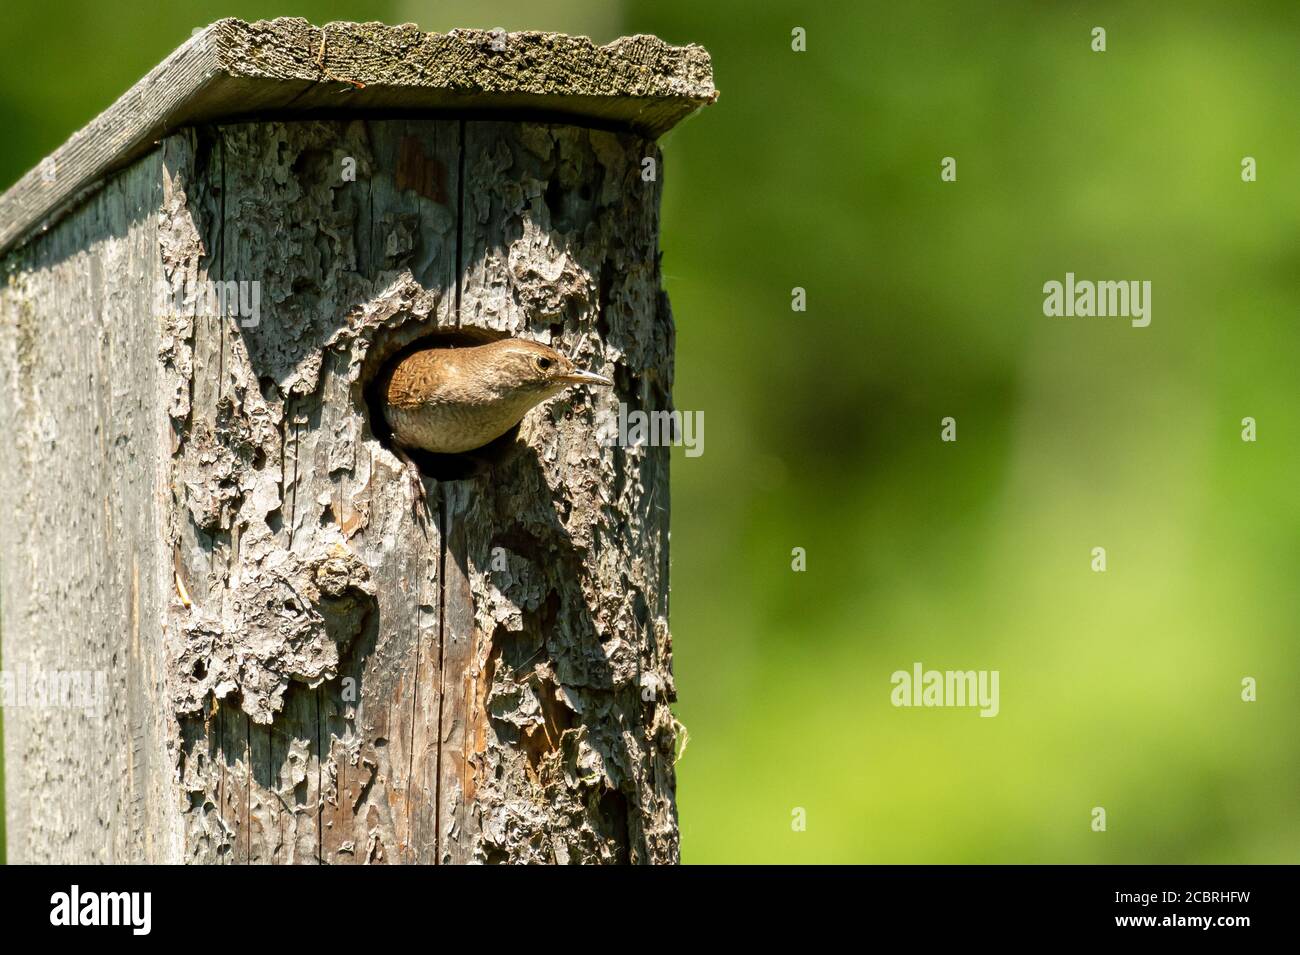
(203, 507)
(84, 583)
(557, 586)
(290, 68)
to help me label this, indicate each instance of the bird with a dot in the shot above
(454, 400)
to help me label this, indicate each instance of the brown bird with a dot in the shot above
(450, 400)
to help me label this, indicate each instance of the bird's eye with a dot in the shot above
(543, 362)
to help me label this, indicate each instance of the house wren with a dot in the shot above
(450, 400)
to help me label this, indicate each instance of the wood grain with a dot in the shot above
(301, 668)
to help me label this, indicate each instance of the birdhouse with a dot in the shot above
(233, 629)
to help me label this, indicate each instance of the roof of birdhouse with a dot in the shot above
(288, 68)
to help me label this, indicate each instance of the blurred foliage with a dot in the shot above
(821, 170)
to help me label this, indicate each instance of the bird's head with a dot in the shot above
(528, 368)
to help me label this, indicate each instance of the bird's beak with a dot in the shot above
(580, 377)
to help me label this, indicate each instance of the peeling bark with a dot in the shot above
(556, 585)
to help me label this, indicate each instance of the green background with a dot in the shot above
(821, 170)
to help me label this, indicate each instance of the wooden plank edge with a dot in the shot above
(287, 67)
